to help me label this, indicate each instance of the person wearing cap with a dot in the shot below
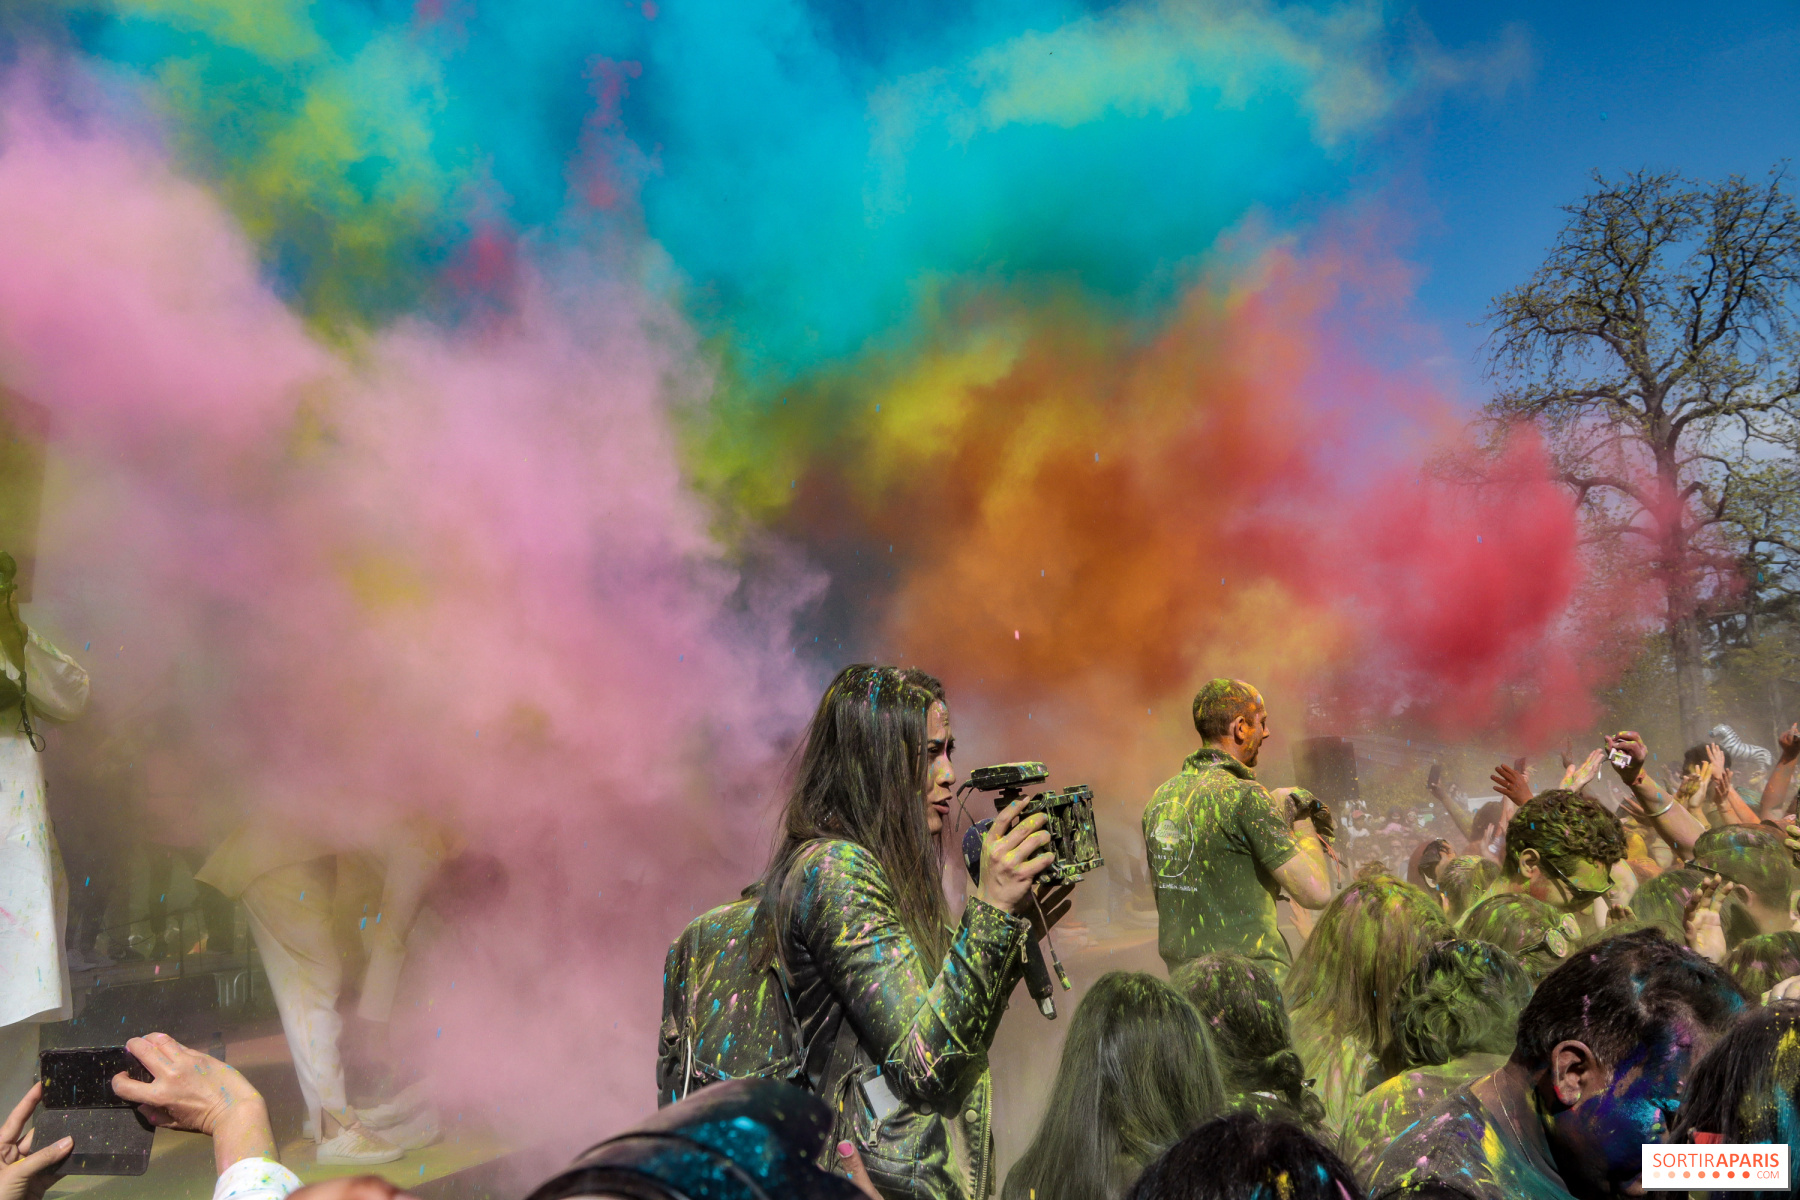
(1754, 856)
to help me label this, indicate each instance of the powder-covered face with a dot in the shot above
(1598, 1142)
(940, 776)
(1571, 885)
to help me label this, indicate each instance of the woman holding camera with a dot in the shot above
(895, 1004)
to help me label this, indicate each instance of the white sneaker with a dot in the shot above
(356, 1146)
(407, 1104)
(309, 1129)
(417, 1133)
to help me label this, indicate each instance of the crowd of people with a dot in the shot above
(1517, 1016)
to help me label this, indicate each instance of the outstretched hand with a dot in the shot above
(1631, 743)
(1511, 782)
(1790, 744)
(25, 1175)
(1718, 777)
(1578, 775)
(1703, 923)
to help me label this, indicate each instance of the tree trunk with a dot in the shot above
(1690, 673)
(1682, 590)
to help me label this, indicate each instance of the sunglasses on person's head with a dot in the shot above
(1578, 895)
(1556, 940)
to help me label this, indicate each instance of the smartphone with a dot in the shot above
(111, 1136)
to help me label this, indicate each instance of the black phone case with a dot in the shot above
(111, 1136)
(108, 1141)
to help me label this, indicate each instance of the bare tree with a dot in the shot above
(1655, 347)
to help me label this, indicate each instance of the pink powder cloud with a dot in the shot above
(450, 574)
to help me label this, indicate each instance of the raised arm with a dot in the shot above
(1649, 803)
(1460, 816)
(927, 1024)
(1778, 791)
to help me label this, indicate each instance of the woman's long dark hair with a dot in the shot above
(1244, 1012)
(861, 777)
(1137, 1073)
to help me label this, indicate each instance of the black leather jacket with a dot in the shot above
(868, 1005)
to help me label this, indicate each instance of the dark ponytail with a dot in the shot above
(1285, 1075)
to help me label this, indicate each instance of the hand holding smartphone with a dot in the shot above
(111, 1136)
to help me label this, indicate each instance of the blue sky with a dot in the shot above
(1708, 89)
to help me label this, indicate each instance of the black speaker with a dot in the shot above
(1326, 767)
(24, 433)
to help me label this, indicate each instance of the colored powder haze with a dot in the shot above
(511, 414)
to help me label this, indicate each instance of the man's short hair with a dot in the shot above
(1221, 702)
(1623, 992)
(1562, 825)
(1464, 878)
(1753, 855)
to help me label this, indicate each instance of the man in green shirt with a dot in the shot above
(1222, 848)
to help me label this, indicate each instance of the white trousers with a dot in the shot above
(290, 917)
(18, 1063)
(407, 875)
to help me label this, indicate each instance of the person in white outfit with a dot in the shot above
(288, 885)
(38, 683)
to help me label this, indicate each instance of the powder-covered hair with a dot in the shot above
(1624, 992)
(1753, 855)
(1239, 1157)
(1662, 902)
(1368, 941)
(1521, 926)
(1761, 962)
(1221, 702)
(1562, 826)
(1137, 1072)
(1465, 998)
(1464, 878)
(1747, 1088)
(1244, 1011)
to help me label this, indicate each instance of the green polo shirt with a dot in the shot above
(1214, 836)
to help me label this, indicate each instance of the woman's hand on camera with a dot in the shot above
(1013, 854)
(24, 1175)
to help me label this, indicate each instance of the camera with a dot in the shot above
(1303, 805)
(1069, 817)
